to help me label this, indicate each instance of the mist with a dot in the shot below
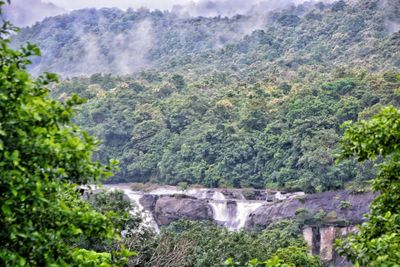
(229, 8)
(392, 26)
(128, 51)
(26, 12)
(114, 41)
(132, 48)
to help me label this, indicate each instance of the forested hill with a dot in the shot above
(309, 37)
(252, 100)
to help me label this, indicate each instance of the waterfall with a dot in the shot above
(222, 212)
(135, 196)
(200, 193)
(243, 211)
(218, 196)
(233, 214)
(230, 208)
(166, 191)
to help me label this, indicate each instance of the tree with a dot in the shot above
(378, 241)
(43, 157)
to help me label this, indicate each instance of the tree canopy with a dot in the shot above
(43, 157)
(220, 107)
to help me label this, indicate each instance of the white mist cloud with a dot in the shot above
(27, 12)
(122, 53)
(123, 4)
(392, 26)
(131, 49)
(212, 8)
(165, 4)
(128, 50)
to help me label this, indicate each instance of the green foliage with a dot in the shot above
(377, 243)
(273, 262)
(251, 109)
(345, 205)
(295, 41)
(232, 135)
(201, 244)
(43, 156)
(286, 248)
(248, 193)
(118, 208)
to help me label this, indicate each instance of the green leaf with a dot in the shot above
(6, 209)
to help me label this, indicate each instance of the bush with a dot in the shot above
(344, 205)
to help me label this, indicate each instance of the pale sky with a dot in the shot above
(123, 4)
(27, 12)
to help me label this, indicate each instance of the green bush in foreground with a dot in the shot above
(43, 156)
(201, 244)
(378, 242)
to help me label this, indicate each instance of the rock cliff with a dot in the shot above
(338, 212)
(343, 207)
(171, 208)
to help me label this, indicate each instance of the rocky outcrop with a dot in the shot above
(343, 206)
(172, 208)
(320, 241)
(148, 202)
(256, 209)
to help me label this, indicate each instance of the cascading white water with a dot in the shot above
(221, 212)
(233, 214)
(243, 211)
(148, 218)
(230, 213)
(135, 196)
(218, 196)
(165, 191)
(200, 193)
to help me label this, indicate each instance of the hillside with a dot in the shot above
(308, 37)
(253, 100)
(216, 133)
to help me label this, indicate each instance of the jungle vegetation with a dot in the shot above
(209, 105)
(260, 109)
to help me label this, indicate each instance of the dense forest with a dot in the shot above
(303, 97)
(286, 43)
(242, 135)
(260, 109)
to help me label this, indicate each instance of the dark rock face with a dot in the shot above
(342, 207)
(248, 194)
(148, 202)
(232, 193)
(172, 208)
(335, 202)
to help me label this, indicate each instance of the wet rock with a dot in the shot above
(343, 206)
(172, 208)
(148, 202)
(232, 193)
(309, 238)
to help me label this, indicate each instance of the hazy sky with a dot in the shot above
(27, 12)
(160, 4)
(123, 4)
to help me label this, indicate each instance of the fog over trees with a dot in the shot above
(262, 98)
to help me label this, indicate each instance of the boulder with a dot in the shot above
(171, 208)
(148, 202)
